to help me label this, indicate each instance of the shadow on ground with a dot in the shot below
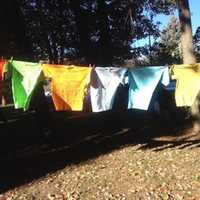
(28, 152)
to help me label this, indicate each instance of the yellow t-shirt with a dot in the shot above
(187, 83)
(68, 85)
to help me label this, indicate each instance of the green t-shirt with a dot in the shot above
(24, 76)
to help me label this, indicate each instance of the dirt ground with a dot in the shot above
(122, 163)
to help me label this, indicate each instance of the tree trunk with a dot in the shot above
(105, 50)
(186, 32)
(82, 19)
(188, 53)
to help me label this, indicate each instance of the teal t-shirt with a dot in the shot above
(142, 84)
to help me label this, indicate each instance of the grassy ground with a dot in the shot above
(104, 157)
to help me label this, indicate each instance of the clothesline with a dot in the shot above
(70, 83)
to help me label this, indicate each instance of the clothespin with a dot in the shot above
(11, 59)
(91, 65)
(171, 72)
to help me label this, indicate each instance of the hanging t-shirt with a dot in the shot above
(2, 65)
(142, 84)
(104, 83)
(25, 76)
(68, 85)
(187, 83)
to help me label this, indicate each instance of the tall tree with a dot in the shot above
(168, 50)
(186, 32)
(188, 53)
(196, 39)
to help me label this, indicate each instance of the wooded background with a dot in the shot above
(100, 32)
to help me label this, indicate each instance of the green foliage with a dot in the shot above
(93, 31)
(99, 31)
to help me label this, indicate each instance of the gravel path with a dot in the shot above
(160, 167)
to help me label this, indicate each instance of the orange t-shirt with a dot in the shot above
(2, 64)
(68, 85)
